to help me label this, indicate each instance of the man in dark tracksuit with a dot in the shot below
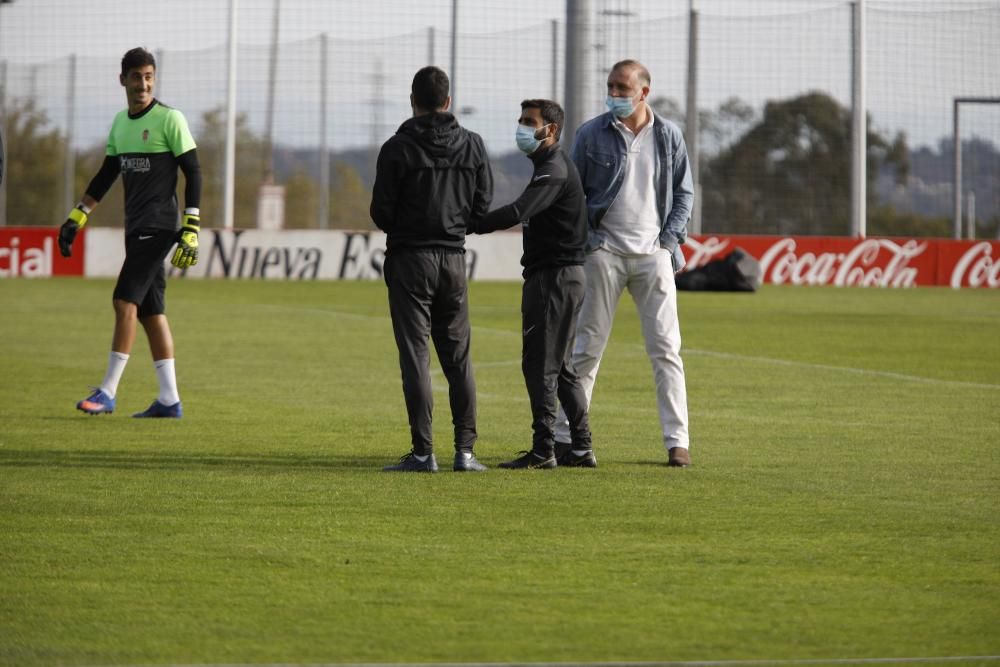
(432, 180)
(552, 210)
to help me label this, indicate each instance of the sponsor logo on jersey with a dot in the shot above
(145, 136)
(134, 164)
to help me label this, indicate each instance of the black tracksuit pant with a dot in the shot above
(428, 296)
(550, 304)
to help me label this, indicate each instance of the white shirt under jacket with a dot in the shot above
(632, 223)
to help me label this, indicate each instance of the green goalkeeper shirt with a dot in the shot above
(147, 146)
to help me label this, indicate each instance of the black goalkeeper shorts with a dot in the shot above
(143, 280)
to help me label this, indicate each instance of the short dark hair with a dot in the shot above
(551, 112)
(628, 63)
(137, 57)
(430, 88)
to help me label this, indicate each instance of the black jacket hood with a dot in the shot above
(438, 134)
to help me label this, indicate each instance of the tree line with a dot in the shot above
(783, 170)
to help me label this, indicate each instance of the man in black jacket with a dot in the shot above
(432, 180)
(552, 212)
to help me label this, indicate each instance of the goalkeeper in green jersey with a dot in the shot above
(146, 145)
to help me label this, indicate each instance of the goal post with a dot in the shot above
(957, 148)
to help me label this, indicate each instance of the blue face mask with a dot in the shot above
(621, 107)
(525, 138)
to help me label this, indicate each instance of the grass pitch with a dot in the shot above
(843, 503)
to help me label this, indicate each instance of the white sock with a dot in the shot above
(168, 382)
(116, 366)
(421, 458)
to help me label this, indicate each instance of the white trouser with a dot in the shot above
(650, 281)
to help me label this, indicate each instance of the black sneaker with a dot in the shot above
(410, 463)
(570, 460)
(468, 463)
(531, 460)
(562, 448)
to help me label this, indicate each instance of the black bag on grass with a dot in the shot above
(736, 272)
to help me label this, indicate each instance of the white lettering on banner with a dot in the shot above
(259, 261)
(895, 274)
(985, 269)
(703, 252)
(808, 269)
(27, 262)
(853, 268)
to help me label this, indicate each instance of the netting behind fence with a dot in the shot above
(774, 93)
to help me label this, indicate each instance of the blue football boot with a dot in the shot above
(97, 403)
(158, 409)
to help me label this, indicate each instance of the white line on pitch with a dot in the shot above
(843, 369)
(692, 351)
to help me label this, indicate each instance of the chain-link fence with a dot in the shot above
(773, 88)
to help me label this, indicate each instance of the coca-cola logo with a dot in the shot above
(977, 267)
(864, 265)
(702, 252)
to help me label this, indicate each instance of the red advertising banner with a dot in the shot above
(784, 260)
(33, 252)
(969, 263)
(848, 262)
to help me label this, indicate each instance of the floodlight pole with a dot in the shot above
(229, 186)
(272, 80)
(693, 129)
(577, 84)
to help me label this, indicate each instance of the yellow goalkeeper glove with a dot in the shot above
(186, 253)
(76, 219)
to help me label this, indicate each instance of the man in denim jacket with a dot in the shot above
(639, 188)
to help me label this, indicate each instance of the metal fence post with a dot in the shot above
(555, 59)
(324, 150)
(453, 67)
(859, 124)
(3, 144)
(160, 56)
(970, 215)
(69, 164)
